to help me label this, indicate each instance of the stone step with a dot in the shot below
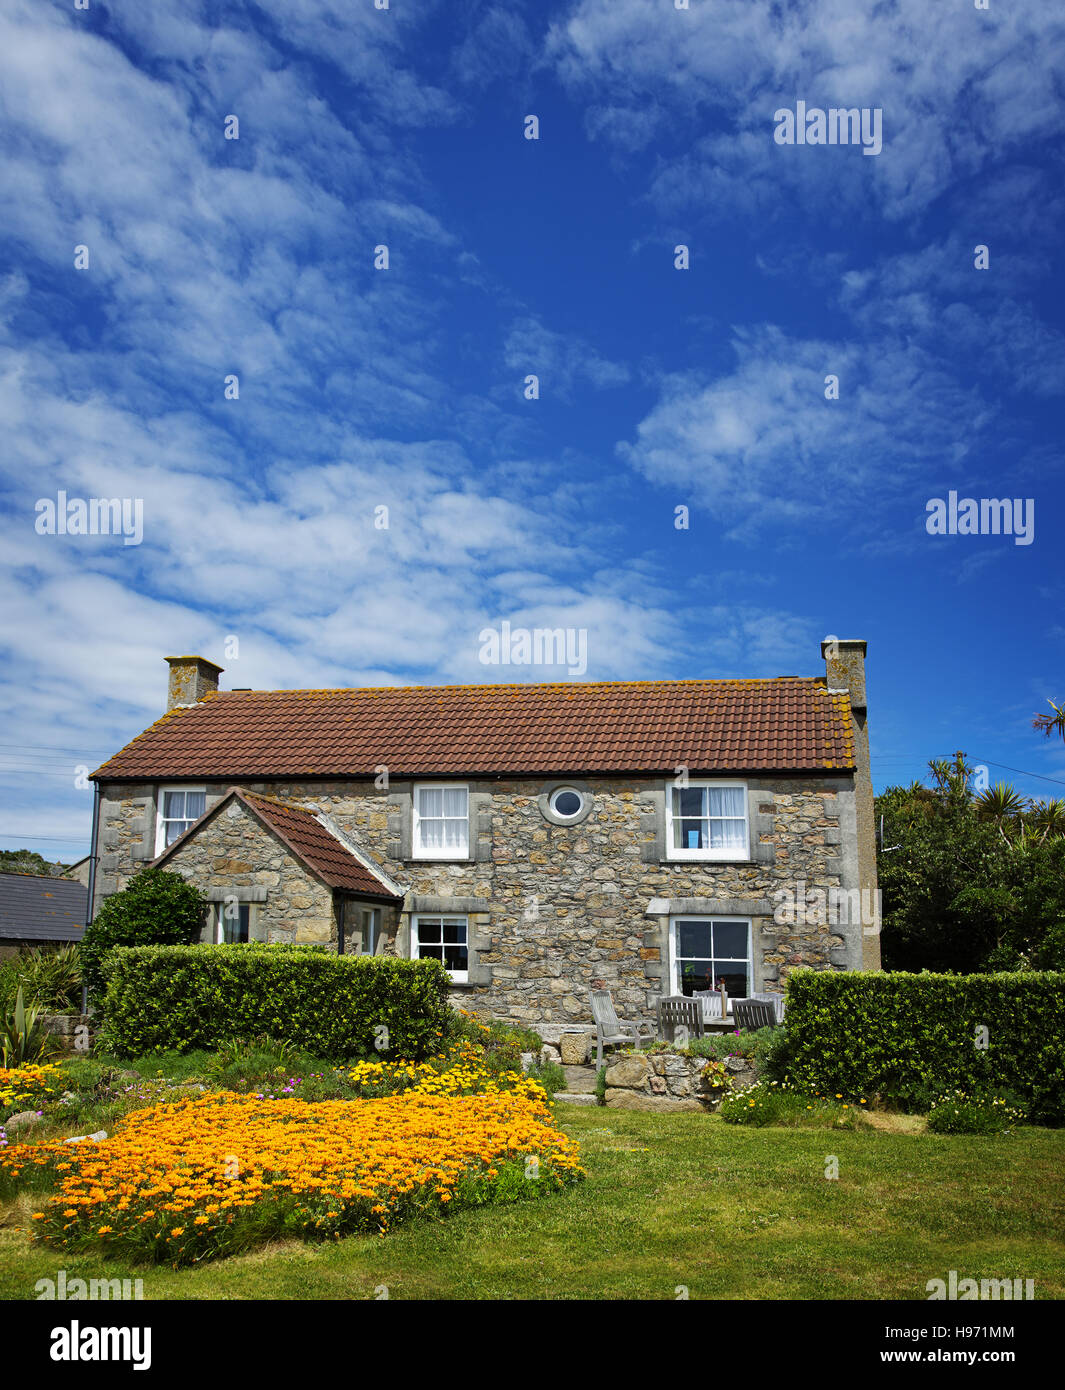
(576, 1098)
(580, 1079)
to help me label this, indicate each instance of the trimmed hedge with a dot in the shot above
(156, 908)
(910, 1038)
(184, 997)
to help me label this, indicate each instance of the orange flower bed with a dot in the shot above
(205, 1177)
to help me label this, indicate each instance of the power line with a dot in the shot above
(1021, 772)
(57, 839)
(47, 748)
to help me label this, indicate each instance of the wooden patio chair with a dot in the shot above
(754, 1013)
(777, 1000)
(710, 1000)
(678, 1011)
(610, 1031)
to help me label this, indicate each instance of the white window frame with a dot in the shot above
(727, 854)
(160, 820)
(571, 791)
(674, 958)
(216, 921)
(416, 849)
(369, 932)
(458, 977)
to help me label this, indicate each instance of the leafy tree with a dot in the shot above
(970, 883)
(155, 908)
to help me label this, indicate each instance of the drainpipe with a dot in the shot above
(92, 879)
(341, 900)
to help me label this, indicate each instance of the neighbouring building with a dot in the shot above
(656, 836)
(36, 910)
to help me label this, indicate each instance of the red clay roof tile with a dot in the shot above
(788, 723)
(308, 840)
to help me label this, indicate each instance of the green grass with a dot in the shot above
(726, 1211)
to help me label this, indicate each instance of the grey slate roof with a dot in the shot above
(35, 908)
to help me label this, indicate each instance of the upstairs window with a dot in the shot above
(441, 827)
(707, 820)
(179, 807)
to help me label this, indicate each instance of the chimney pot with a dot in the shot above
(191, 678)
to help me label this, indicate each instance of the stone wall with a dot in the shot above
(67, 1028)
(552, 908)
(667, 1081)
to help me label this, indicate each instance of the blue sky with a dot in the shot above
(660, 388)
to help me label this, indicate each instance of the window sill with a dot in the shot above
(724, 863)
(414, 863)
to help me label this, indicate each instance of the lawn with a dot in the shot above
(677, 1200)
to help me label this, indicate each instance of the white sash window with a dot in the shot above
(441, 822)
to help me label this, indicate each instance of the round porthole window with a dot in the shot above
(566, 803)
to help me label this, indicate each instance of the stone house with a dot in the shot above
(655, 836)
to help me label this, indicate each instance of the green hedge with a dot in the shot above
(913, 1037)
(183, 997)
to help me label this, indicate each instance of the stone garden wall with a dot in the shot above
(662, 1081)
(66, 1028)
(667, 1081)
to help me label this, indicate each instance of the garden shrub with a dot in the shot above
(718, 1046)
(49, 978)
(155, 907)
(906, 1038)
(335, 1007)
(23, 1036)
(717, 1078)
(777, 1103)
(550, 1076)
(501, 1043)
(960, 1113)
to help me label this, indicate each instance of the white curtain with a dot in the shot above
(443, 818)
(728, 827)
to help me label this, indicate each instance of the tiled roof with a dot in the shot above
(788, 723)
(36, 908)
(308, 840)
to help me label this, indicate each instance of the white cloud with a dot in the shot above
(762, 445)
(559, 360)
(959, 88)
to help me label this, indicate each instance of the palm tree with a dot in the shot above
(1048, 817)
(1051, 723)
(1001, 804)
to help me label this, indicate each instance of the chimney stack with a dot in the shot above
(845, 668)
(191, 678)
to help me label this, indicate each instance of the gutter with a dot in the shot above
(92, 879)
